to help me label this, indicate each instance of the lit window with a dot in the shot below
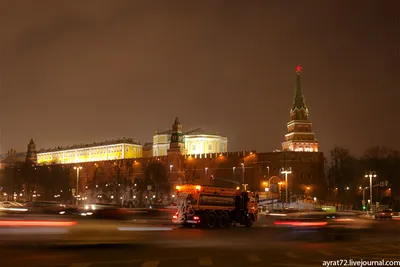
(193, 147)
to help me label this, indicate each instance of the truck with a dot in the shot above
(214, 207)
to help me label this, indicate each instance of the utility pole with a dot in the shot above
(77, 183)
(286, 172)
(370, 174)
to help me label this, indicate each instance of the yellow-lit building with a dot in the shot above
(108, 150)
(196, 141)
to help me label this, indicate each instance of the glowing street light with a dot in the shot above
(286, 172)
(370, 174)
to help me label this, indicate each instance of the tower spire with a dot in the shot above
(299, 109)
(300, 136)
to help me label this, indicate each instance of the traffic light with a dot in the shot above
(364, 207)
(212, 177)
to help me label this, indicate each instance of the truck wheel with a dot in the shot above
(249, 222)
(223, 221)
(211, 220)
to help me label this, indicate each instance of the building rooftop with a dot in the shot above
(200, 131)
(105, 143)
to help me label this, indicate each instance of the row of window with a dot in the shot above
(85, 152)
(221, 147)
(306, 148)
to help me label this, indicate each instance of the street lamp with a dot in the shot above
(77, 181)
(205, 171)
(233, 172)
(242, 172)
(286, 172)
(370, 174)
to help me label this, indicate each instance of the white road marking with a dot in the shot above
(150, 264)
(253, 258)
(291, 255)
(326, 253)
(82, 264)
(205, 262)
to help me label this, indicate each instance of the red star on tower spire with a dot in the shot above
(298, 69)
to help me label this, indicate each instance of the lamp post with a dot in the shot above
(242, 172)
(77, 168)
(268, 171)
(205, 171)
(347, 190)
(370, 174)
(233, 172)
(286, 172)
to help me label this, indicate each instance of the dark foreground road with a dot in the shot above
(259, 246)
(262, 245)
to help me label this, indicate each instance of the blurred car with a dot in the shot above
(281, 212)
(12, 207)
(45, 207)
(103, 211)
(326, 224)
(385, 214)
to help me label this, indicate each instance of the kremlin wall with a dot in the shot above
(183, 157)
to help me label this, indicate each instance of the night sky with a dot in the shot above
(85, 71)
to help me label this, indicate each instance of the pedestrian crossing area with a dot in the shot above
(262, 258)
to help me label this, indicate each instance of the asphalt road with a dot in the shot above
(258, 246)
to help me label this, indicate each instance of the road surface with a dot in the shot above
(259, 246)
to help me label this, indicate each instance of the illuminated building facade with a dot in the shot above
(109, 150)
(196, 142)
(300, 136)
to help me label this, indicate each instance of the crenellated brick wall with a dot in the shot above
(218, 169)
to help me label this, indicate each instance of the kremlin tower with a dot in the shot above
(300, 136)
(31, 154)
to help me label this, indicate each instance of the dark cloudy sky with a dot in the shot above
(83, 71)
